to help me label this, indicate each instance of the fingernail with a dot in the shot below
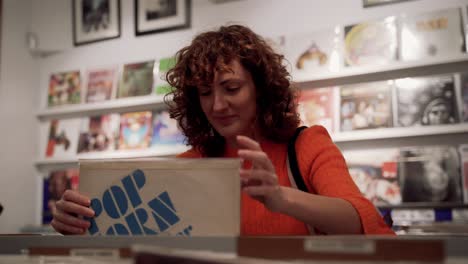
(91, 212)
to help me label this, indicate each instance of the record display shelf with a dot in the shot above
(130, 104)
(158, 151)
(395, 70)
(426, 212)
(399, 132)
(350, 75)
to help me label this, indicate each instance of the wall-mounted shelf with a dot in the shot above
(350, 75)
(399, 132)
(131, 104)
(159, 151)
(359, 135)
(410, 213)
(425, 205)
(396, 70)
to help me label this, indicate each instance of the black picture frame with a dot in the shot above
(92, 24)
(372, 3)
(177, 15)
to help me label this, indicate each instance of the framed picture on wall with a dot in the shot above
(95, 20)
(155, 16)
(371, 3)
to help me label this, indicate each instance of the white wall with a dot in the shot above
(20, 90)
(18, 129)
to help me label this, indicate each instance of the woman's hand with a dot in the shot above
(69, 208)
(261, 181)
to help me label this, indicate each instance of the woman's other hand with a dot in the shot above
(69, 208)
(260, 182)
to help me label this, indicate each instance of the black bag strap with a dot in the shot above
(292, 157)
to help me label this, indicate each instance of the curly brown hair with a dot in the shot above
(212, 51)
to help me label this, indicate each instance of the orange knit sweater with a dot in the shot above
(325, 172)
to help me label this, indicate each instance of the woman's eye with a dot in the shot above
(232, 88)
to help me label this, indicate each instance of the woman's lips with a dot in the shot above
(225, 120)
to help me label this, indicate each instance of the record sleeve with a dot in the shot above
(464, 165)
(101, 84)
(317, 107)
(137, 79)
(375, 173)
(166, 197)
(54, 186)
(426, 101)
(163, 65)
(371, 43)
(464, 95)
(366, 105)
(63, 138)
(64, 88)
(433, 34)
(430, 174)
(135, 130)
(165, 130)
(312, 54)
(99, 133)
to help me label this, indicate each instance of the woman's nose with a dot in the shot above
(219, 103)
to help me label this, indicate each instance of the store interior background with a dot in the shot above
(25, 71)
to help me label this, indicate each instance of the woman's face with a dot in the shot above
(230, 103)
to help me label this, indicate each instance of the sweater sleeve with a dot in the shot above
(326, 173)
(191, 153)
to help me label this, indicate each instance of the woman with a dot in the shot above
(232, 98)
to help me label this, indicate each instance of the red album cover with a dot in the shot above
(63, 138)
(375, 172)
(101, 85)
(64, 88)
(99, 133)
(317, 107)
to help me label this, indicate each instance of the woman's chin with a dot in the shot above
(230, 132)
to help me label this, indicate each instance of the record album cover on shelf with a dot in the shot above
(375, 173)
(64, 88)
(434, 34)
(99, 133)
(62, 140)
(54, 186)
(312, 54)
(101, 84)
(316, 106)
(137, 79)
(165, 130)
(426, 101)
(463, 149)
(135, 130)
(371, 43)
(163, 65)
(464, 95)
(366, 105)
(430, 174)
